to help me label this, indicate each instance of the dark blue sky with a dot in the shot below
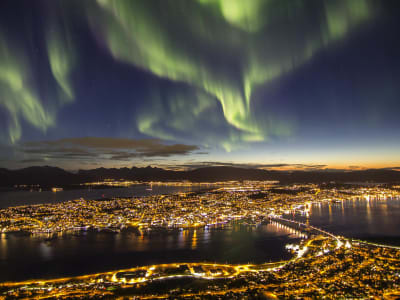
(307, 84)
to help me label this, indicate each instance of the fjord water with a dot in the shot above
(376, 220)
(16, 198)
(24, 257)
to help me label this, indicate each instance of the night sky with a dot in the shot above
(296, 84)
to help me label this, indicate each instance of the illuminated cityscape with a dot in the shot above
(323, 270)
(323, 264)
(234, 202)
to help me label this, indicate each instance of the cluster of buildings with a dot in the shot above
(251, 201)
(328, 267)
(323, 265)
(186, 183)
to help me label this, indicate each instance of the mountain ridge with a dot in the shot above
(51, 176)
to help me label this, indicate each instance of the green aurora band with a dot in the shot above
(17, 97)
(61, 59)
(19, 94)
(187, 41)
(216, 53)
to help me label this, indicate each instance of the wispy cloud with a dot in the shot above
(393, 168)
(32, 161)
(277, 166)
(92, 148)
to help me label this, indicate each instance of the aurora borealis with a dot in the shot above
(294, 82)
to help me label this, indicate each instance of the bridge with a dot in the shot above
(309, 229)
(299, 226)
(300, 233)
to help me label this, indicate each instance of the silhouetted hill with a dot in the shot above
(230, 173)
(46, 176)
(145, 174)
(52, 176)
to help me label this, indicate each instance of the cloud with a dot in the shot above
(39, 150)
(392, 168)
(356, 167)
(278, 166)
(31, 161)
(92, 148)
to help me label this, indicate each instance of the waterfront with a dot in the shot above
(15, 198)
(27, 257)
(325, 267)
(88, 236)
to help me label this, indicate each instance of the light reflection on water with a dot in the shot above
(24, 257)
(3, 246)
(45, 251)
(360, 218)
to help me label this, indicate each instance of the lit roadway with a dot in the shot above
(321, 231)
(308, 254)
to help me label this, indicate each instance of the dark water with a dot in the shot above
(15, 198)
(23, 257)
(374, 220)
